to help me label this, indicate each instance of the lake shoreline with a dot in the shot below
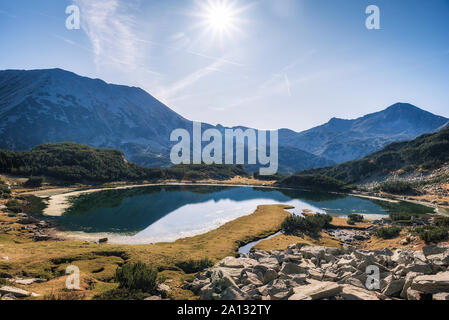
(58, 203)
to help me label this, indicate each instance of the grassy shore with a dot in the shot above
(97, 263)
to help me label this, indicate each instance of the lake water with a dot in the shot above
(167, 213)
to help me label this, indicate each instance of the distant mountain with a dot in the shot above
(343, 140)
(42, 106)
(427, 152)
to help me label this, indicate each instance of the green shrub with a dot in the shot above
(193, 266)
(310, 225)
(353, 218)
(34, 182)
(431, 234)
(14, 206)
(388, 232)
(398, 187)
(314, 182)
(122, 294)
(5, 192)
(442, 222)
(137, 277)
(399, 216)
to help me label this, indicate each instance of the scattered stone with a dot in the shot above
(26, 281)
(441, 296)
(351, 292)
(153, 298)
(317, 290)
(17, 292)
(9, 297)
(315, 273)
(432, 283)
(103, 240)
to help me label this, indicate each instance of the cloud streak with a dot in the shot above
(111, 31)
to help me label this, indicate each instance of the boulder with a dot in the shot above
(240, 263)
(163, 288)
(153, 298)
(434, 249)
(413, 294)
(233, 293)
(316, 291)
(407, 283)
(292, 268)
(269, 276)
(26, 281)
(432, 283)
(17, 292)
(8, 296)
(394, 287)
(441, 296)
(351, 292)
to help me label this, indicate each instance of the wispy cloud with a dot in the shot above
(111, 31)
(190, 80)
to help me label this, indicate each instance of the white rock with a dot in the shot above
(432, 283)
(317, 290)
(351, 292)
(17, 292)
(441, 296)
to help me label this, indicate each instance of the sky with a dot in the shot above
(265, 64)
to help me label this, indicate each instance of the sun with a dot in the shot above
(219, 18)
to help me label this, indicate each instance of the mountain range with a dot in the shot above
(54, 105)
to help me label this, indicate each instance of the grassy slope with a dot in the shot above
(98, 262)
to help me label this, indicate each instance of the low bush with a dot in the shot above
(353, 218)
(193, 266)
(34, 182)
(137, 277)
(442, 222)
(388, 232)
(5, 192)
(310, 225)
(314, 182)
(122, 294)
(14, 206)
(430, 234)
(399, 216)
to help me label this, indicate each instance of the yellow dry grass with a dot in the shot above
(282, 241)
(97, 263)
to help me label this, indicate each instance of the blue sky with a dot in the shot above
(273, 64)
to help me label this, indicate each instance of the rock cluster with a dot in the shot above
(38, 230)
(315, 273)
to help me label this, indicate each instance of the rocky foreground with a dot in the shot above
(318, 273)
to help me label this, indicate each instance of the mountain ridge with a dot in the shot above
(55, 105)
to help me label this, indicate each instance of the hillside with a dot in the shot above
(343, 140)
(427, 152)
(76, 163)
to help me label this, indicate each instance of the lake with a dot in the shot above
(166, 213)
